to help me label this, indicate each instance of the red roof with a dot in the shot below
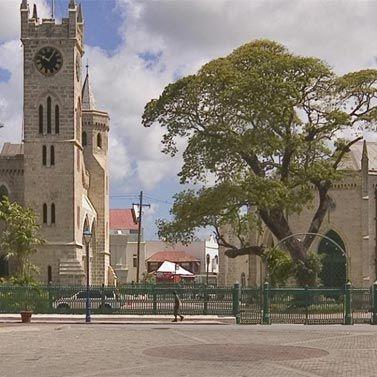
(123, 219)
(172, 256)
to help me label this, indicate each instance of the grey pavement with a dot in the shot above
(174, 349)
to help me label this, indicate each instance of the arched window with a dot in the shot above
(40, 119)
(52, 213)
(334, 261)
(78, 121)
(99, 140)
(84, 139)
(49, 274)
(44, 155)
(48, 115)
(44, 213)
(3, 193)
(57, 119)
(52, 155)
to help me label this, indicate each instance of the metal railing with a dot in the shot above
(262, 305)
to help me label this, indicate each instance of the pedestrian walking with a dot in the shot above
(177, 308)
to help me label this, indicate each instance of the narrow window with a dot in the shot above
(3, 193)
(57, 119)
(48, 115)
(78, 160)
(52, 155)
(134, 260)
(40, 119)
(44, 155)
(52, 213)
(84, 139)
(44, 213)
(49, 274)
(99, 141)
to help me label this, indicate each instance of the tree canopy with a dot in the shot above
(19, 237)
(265, 125)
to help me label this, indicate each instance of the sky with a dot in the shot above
(135, 48)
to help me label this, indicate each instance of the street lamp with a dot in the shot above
(87, 237)
(208, 260)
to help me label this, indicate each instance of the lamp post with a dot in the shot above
(207, 260)
(87, 237)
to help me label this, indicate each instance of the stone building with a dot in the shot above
(351, 222)
(61, 168)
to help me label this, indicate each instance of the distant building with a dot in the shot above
(123, 245)
(185, 260)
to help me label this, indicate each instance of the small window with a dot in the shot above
(44, 213)
(49, 274)
(52, 155)
(99, 140)
(49, 115)
(78, 160)
(44, 155)
(84, 139)
(40, 119)
(52, 213)
(135, 260)
(57, 119)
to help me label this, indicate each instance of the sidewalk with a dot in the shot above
(120, 319)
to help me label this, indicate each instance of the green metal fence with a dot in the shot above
(262, 305)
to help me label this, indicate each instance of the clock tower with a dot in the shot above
(55, 176)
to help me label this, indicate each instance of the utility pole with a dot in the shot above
(140, 205)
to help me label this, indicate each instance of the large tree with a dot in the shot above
(264, 126)
(19, 237)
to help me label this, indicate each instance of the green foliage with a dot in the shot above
(19, 238)
(307, 272)
(279, 266)
(262, 124)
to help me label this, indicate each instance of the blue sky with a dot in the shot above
(136, 47)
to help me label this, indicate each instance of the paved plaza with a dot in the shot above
(79, 350)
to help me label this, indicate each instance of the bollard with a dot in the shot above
(236, 302)
(266, 304)
(374, 316)
(348, 305)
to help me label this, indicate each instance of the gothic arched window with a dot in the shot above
(52, 213)
(49, 274)
(57, 119)
(44, 213)
(3, 193)
(99, 140)
(40, 119)
(52, 155)
(44, 155)
(48, 115)
(84, 139)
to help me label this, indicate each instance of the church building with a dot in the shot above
(60, 169)
(348, 238)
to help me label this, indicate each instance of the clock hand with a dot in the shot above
(51, 56)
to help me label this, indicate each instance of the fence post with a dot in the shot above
(306, 305)
(348, 304)
(236, 302)
(154, 293)
(266, 304)
(374, 316)
(205, 306)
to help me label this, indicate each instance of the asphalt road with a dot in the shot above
(79, 350)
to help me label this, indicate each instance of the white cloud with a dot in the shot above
(186, 34)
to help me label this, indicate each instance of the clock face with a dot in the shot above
(48, 60)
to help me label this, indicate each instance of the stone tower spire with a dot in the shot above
(80, 18)
(72, 4)
(35, 14)
(24, 4)
(88, 102)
